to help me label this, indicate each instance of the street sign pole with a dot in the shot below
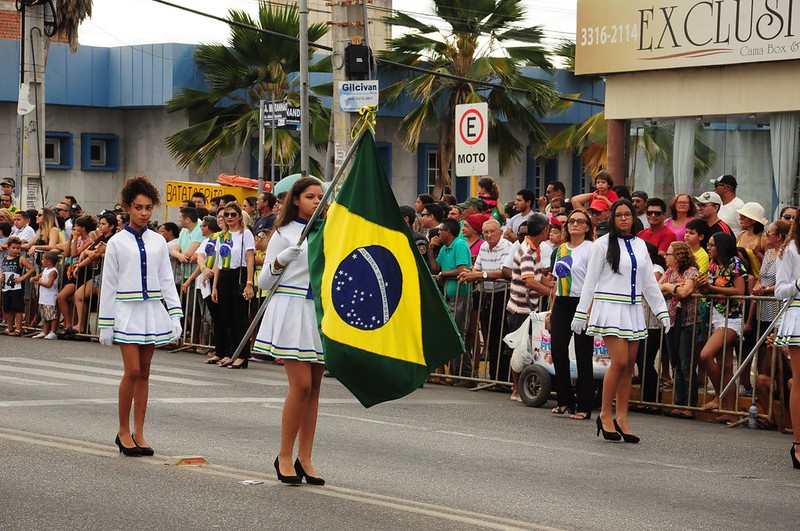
(261, 145)
(305, 126)
(272, 149)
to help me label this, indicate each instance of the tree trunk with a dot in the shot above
(446, 153)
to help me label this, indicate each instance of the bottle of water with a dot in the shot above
(752, 421)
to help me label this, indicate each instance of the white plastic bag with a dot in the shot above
(520, 341)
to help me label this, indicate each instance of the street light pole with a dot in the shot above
(305, 124)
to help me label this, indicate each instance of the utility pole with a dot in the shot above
(31, 125)
(348, 27)
(305, 121)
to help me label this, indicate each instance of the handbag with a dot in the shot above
(242, 267)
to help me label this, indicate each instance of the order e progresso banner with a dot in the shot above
(635, 35)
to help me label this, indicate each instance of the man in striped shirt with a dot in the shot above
(526, 277)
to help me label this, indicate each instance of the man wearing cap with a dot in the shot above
(599, 212)
(8, 185)
(725, 187)
(472, 205)
(523, 205)
(657, 233)
(708, 206)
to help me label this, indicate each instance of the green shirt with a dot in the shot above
(451, 257)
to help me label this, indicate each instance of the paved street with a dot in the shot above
(442, 458)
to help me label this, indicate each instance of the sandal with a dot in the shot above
(212, 360)
(560, 410)
(711, 405)
(15, 333)
(581, 415)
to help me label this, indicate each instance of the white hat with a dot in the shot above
(710, 197)
(754, 211)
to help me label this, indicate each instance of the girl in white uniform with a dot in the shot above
(620, 272)
(289, 330)
(137, 281)
(788, 286)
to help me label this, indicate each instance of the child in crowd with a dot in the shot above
(694, 236)
(13, 276)
(48, 291)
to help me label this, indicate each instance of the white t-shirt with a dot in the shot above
(235, 241)
(516, 222)
(729, 215)
(26, 233)
(200, 282)
(570, 278)
(47, 296)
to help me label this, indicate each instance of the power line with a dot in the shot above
(379, 60)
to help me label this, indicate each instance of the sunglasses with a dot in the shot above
(654, 213)
(230, 215)
(788, 217)
(576, 221)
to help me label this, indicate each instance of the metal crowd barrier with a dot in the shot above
(481, 317)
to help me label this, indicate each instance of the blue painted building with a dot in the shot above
(105, 121)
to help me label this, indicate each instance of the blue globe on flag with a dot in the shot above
(367, 287)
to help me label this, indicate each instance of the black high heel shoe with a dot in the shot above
(607, 435)
(627, 437)
(311, 480)
(242, 365)
(130, 452)
(289, 480)
(792, 452)
(146, 450)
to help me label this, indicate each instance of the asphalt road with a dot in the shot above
(442, 458)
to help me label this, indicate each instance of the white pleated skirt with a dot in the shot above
(620, 320)
(142, 322)
(289, 330)
(789, 329)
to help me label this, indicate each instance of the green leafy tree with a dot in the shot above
(253, 66)
(474, 44)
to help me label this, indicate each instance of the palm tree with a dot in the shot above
(70, 14)
(474, 45)
(253, 66)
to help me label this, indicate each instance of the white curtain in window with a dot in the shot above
(783, 140)
(683, 155)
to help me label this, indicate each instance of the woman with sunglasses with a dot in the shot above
(233, 284)
(571, 260)
(619, 275)
(788, 213)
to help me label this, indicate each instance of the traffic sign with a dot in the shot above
(284, 114)
(472, 145)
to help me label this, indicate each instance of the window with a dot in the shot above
(99, 152)
(57, 150)
(385, 154)
(433, 170)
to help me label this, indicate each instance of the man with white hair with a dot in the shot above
(488, 268)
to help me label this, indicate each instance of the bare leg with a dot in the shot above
(722, 337)
(63, 303)
(141, 391)
(624, 389)
(794, 394)
(82, 296)
(294, 410)
(308, 426)
(618, 370)
(127, 386)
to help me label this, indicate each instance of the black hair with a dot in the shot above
(622, 191)
(191, 213)
(697, 225)
(214, 200)
(199, 194)
(290, 210)
(110, 218)
(656, 258)
(269, 199)
(726, 248)
(603, 175)
(527, 195)
(425, 198)
(139, 185)
(251, 200)
(31, 214)
(508, 208)
(612, 254)
(228, 198)
(658, 202)
(409, 214)
(201, 212)
(169, 226)
(558, 186)
(435, 210)
(5, 229)
(537, 223)
(72, 199)
(88, 223)
(450, 199)
(24, 213)
(211, 223)
(51, 256)
(450, 225)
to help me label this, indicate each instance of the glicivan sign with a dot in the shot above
(353, 95)
(624, 36)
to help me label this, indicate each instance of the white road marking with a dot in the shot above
(110, 372)
(25, 381)
(467, 518)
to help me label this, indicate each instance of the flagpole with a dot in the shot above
(263, 308)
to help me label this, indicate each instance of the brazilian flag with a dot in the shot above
(383, 322)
